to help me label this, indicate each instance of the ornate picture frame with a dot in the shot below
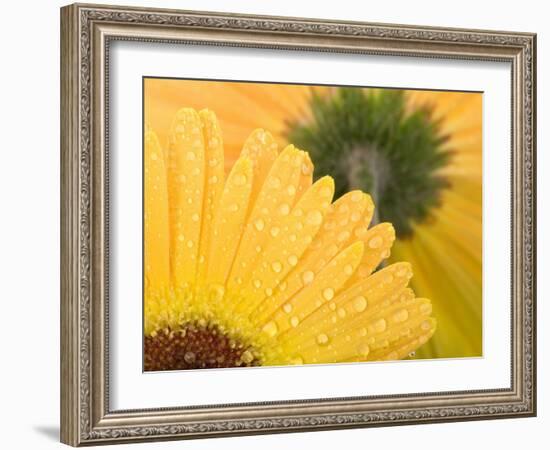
(87, 32)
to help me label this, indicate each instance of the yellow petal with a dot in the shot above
(323, 288)
(185, 190)
(263, 223)
(213, 186)
(282, 252)
(228, 221)
(156, 235)
(344, 216)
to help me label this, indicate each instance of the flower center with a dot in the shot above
(193, 346)
(373, 141)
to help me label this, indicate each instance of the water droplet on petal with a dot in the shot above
(293, 260)
(294, 321)
(380, 325)
(348, 269)
(259, 224)
(322, 339)
(291, 190)
(195, 217)
(276, 266)
(190, 156)
(154, 156)
(341, 313)
(356, 196)
(268, 291)
(401, 315)
(363, 349)
(314, 217)
(287, 307)
(425, 308)
(275, 182)
(375, 242)
(284, 209)
(360, 303)
(328, 293)
(308, 276)
(234, 207)
(257, 283)
(274, 231)
(270, 328)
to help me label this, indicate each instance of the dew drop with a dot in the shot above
(293, 260)
(332, 306)
(181, 237)
(401, 315)
(308, 276)
(292, 238)
(325, 191)
(282, 286)
(359, 303)
(259, 224)
(385, 253)
(154, 156)
(322, 339)
(355, 216)
(314, 217)
(348, 269)
(277, 266)
(425, 308)
(356, 196)
(190, 244)
(287, 307)
(294, 321)
(195, 217)
(375, 242)
(257, 283)
(297, 360)
(190, 156)
(426, 325)
(291, 190)
(258, 248)
(268, 291)
(380, 325)
(274, 231)
(284, 209)
(341, 313)
(363, 349)
(233, 207)
(363, 332)
(328, 293)
(270, 328)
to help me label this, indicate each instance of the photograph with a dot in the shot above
(290, 224)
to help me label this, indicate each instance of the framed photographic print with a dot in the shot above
(275, 224)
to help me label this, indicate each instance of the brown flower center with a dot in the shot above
(195, 347)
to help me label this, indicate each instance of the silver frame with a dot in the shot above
(86, 32)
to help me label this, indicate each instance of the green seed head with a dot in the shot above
(367, 139)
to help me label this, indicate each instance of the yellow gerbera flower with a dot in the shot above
(259, 267)
(445, 250)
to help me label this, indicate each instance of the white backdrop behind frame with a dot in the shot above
(131, 388)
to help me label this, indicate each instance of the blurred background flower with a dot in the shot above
(417, 152)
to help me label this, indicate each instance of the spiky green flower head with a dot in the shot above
(370, 140)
